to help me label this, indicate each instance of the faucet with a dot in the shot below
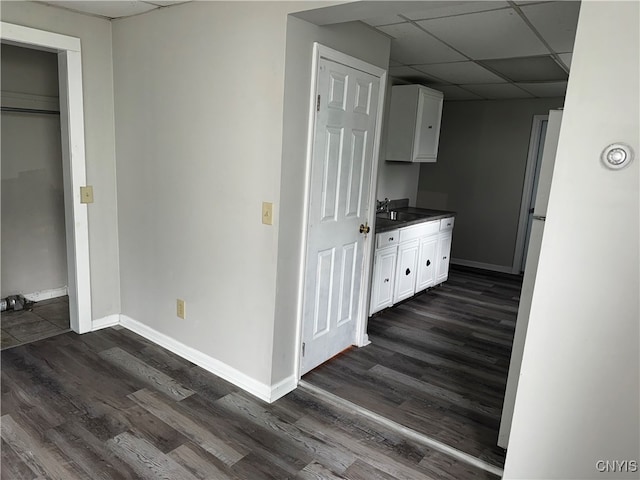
(382, 205)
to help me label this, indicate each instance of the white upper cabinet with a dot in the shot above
(414, 124)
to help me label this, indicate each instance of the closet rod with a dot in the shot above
(30, 110)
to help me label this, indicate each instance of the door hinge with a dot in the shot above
(318, 104)
(303, 347)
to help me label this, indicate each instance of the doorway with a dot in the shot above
(68, 52)
(345, 135)
(529, 190)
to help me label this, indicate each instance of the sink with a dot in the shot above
(399, 216)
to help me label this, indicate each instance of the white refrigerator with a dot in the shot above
(531, 268)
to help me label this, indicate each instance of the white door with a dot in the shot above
(341, 168)
(534, 191)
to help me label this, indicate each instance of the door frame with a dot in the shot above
(322, 51)
(73, 160)
(527, 191)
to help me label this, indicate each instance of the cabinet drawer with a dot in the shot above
(419, 230)
(446, 223)
(387, 238)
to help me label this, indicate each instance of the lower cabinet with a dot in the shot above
(406, 270)
(409, 260)
(444, 254)
(427, 261)
(384, 265)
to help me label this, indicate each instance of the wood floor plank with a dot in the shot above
(149, 375)
(317, 471)
(259, 415)
(197, 465)
(148, 462)
(40, 460)
(205, 439)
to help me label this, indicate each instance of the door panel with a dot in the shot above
(427, 263)
(338, 204)
(406, 271)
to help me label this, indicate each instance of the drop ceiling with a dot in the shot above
(466, 49)
(483, 49)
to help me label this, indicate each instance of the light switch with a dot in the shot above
(181, 311)
(267, 213)
(86, 194)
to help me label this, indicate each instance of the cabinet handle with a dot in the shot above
(444, 258)
(430, 126)
(386, 280)
(407, 272)
(391, 239)
(428, 262)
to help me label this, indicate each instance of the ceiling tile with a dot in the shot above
(498, 91)
(546, 89)
(528, 69)
(410, 45)
(453, 92)
(566, 58)
(454, 9)
(460, 72)
(556, 22)
(494, 34)
(110, 9)
(386, 20)
(412, 75)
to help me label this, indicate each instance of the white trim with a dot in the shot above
(46, 294)
(399, 428)
(527, 191)
(73, 159)
(105, 322)
(483, 266)
(321, 51)
(262, 391)
(38, 39)
(283, 387)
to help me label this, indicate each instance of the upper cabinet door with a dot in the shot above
(413, 131)
(428, 126)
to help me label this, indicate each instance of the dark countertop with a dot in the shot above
(427, 215)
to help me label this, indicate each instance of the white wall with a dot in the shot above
(199, 101)
(354, 39)
(578, 398)
(33, 249)
(95, 35)
(480, 174)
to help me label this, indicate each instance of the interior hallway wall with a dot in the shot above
(479, 174)
(578, 399)
(34, 255)
(97, 77)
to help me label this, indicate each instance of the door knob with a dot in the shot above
(364, 228)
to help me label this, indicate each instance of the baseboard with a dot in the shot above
(261, 390)
(46, 294)
(104, 322)
(283, 387)
(483, 266)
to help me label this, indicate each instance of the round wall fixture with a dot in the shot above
(617, 156)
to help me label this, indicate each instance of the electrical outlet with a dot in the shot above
(181, 309)
(86, 194)
(267, 213)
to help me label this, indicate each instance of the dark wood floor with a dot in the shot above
(40, 320)
(111, 405)
(438, 363)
